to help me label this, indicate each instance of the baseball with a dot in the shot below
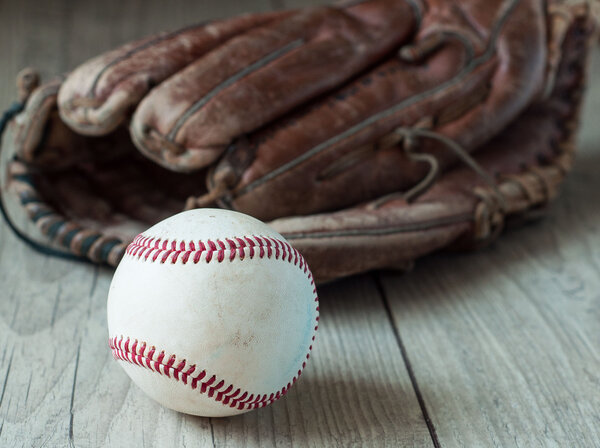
(213, 313)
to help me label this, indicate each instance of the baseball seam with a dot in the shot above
(160, 250)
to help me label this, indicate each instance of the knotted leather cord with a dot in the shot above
(221, 188)
(409, 137)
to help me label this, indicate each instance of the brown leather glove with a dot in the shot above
(367, 134)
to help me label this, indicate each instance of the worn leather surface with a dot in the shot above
(292, 117)
(468, 97)
(98, 95)
(263, 74)
(467, 67)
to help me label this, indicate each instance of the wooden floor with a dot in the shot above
(495, 348)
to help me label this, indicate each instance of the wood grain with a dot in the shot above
(356, 393)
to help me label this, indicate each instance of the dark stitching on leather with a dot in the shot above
(470, 67)
(412, 227)
(417, 8)
(138, 49)
(230, 81)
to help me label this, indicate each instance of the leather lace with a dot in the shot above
(410, 137)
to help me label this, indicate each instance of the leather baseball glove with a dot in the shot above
(368, 134)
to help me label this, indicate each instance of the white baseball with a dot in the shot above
(212, 313)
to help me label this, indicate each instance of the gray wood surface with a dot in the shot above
(495, 348)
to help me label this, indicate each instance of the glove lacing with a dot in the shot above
(409, 138)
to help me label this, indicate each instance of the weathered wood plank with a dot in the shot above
(356, 393)
(505, 343)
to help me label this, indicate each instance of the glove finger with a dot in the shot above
(337, 150)
(530, 159)
(97, 96)
(259, 76)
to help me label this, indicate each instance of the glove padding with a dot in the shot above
(348, 128)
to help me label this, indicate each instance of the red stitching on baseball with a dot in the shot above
(143, 247)
(238, 248)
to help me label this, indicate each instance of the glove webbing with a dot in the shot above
(108, 245)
